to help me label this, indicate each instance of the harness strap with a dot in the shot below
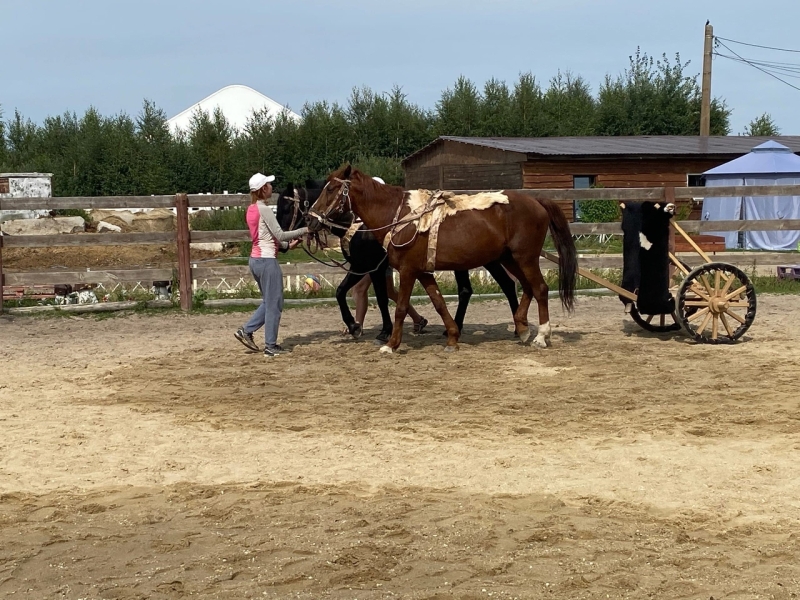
(345, 243)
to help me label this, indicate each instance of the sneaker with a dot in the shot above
(273, 350)
(420, 326)
(246, 339)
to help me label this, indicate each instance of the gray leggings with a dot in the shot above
(269, 278)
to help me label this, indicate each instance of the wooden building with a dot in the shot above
(464, 163)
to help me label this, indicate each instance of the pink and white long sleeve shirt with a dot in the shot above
(266, 233)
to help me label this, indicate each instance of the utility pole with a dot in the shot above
(705, 100)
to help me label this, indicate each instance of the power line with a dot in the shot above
(755, 45)
(793, 72)
(744, 60)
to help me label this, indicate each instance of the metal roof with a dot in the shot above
(606, 146)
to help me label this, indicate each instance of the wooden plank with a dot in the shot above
(218, 200)
(90, 308)
(201, 272)
(707, 243)
(106, 277)
(232, 235)
(183, 242)
(590, 194)
(737, 190)
(615, 228)
(85, 203)
(771, 225)
(122, 202)
(88, 239)
(592, 277)
(128, 239)
(655, 193)
(2, 276)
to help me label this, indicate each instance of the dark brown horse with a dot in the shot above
(511, 232)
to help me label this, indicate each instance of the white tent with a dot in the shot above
(237, 103)
(770, 163)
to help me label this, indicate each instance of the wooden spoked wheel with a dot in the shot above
(716, 303)
(655, 323)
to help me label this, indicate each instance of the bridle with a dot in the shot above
(295, 200)
(339, 203)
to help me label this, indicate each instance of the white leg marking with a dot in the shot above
(644, 242)
(543, 336)
(525, 335)
(386, 350)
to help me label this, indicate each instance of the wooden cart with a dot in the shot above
(713, 303)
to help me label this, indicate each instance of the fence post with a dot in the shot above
(183, 240)
(2, 277)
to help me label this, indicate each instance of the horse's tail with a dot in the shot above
(567, 253)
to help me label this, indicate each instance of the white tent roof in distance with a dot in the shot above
(237, 103)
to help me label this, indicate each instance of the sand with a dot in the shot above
(154, 457)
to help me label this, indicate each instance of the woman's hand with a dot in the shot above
(294, 244)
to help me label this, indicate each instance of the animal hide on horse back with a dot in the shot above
(429, 209)
(438, 205)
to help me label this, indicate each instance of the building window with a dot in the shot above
(580, 182)
(695, 181)
(4, 188)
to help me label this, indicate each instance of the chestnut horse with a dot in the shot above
(512, 233)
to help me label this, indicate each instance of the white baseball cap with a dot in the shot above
(379, 180)
(259, 180)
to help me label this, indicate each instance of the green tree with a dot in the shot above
(526, 107)
(655, 98)
(22, 143)
(568, 107)
(210, 139)
(495, 112)
(3, 149)
(458, 110)
(763, 125)
(153, 165)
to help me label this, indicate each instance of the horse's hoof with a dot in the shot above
(524, 335)
(419, 328)
(383, 336)
(385, 350)
(378, 342)
(540, 342)
(450, 348)
(356, 330)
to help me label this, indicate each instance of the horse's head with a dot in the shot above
(294, 203)
(334, 206)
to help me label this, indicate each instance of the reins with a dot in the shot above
(307, 247)
(344, 197)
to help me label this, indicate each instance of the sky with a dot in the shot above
(67, 56)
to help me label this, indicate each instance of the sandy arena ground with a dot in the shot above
(153, 457)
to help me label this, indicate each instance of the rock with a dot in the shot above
(46, 226)
(120, 218)
(209, 246)
(103, 226)
(156, 220)
(142, 221)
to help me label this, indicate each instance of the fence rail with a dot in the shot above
(183, 237)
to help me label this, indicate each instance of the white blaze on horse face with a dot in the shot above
(543, 335)
(644, 242)
(670, 208)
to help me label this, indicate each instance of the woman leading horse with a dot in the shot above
(511, 230)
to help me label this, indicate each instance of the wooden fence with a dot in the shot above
(183, 237)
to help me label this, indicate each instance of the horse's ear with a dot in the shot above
(348, 170)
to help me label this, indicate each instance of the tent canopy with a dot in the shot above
(768, 158)
(770, 163)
